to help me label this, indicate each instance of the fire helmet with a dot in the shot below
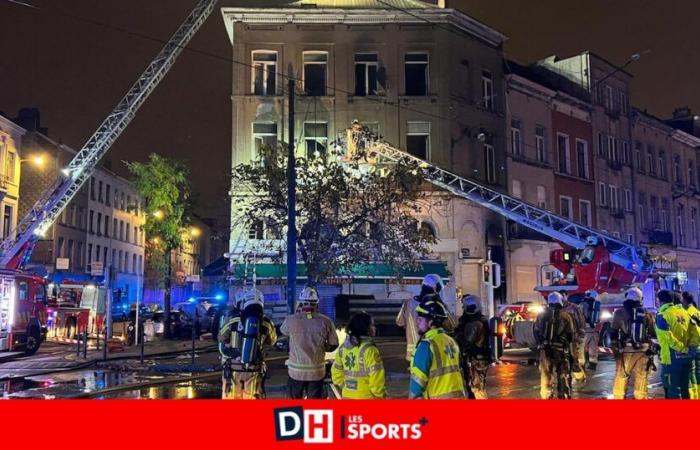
(251, 297)
(592, 240)
(432, 309)
(308, 297)
(434, 282)
(555, 298)
(471, 304)
(634, 294)
(591, 293)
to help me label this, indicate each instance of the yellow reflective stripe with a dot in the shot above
(378, 366)
(444, 371)
(419, 380)
(305, 366)
(437, 358)
(454, 394)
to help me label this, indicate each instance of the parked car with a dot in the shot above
(198, 314)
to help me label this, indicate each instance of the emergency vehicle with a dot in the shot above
(74, 308)
(23, 311)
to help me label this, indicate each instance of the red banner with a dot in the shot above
(345, 424)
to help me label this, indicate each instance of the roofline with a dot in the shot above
(527, 86)
(685, 138)
(13, 126)
(361, 16)
(608, 62)
(653, 121)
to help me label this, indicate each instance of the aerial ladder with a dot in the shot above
(24, 323)
(589, 258)
(16, 249)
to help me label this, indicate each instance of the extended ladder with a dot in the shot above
(557, 227)
(47, 209)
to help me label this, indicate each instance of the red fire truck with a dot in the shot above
(23, 311)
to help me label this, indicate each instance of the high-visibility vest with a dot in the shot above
(359, 371)
(444, 378)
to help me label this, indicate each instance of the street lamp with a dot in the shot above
(158, 214)
(195, 232)
(37, 160)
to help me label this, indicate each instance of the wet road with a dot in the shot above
(515, 378)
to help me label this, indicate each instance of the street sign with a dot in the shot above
(96, 268)
(62, 263)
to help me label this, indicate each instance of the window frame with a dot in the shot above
(586, 165)
(589, 209)
(367, 65)
(487, 87)
(265, 71)
(427, 72)
(323, 63)
(567, 154)
(316, 139)
(570, 200)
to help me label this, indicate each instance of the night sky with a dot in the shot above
(76, 72)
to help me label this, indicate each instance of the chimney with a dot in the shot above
(30, 120)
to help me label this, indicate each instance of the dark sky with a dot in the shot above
(76, 72)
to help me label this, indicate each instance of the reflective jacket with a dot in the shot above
(435, 371)
(694, 315)
(674, 331)
(407, 319)
(311, 335)
(358, 370)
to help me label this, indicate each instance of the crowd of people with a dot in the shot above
(449, 357)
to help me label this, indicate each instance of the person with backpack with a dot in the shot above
(690, 306)
(472, 336)
(632, 331)
(554, 332)
(358, 369)
(244, 333)
(578, 360)
(311, 335)
(431, 288)
(678, 339)
(435, 370)
(590, 306)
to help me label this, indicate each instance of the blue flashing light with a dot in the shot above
(219, 296)
(192, 300)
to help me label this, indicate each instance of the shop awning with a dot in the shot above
(358, 273)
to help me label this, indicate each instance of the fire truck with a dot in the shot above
(23, 311)
(75, 307)
(23, 304)
(588, 258)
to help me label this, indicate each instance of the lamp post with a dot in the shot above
(37, 160)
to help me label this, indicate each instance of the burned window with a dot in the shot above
(315, 73)
(264, 72)
(366, 67)
(416, 67)
(418, 139)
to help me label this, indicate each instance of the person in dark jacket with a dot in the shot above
(472, 336)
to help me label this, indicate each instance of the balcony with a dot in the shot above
(660, 237)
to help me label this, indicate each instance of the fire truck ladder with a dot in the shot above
(47, 209)
(557, 227)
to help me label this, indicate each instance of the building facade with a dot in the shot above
(437, 92)
(10, 145)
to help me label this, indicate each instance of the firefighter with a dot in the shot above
(694, 313)
(632, 331)
(554, 332)
(591, 313)
(358, 369)
(431, 288)
(243, 375)
(311, 335)
(678, 341)
(578, 356)
(472, 336)
(435, 371)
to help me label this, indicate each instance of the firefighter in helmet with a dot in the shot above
(241, 340)
(554, 332)
(590, 306)
(358, 369)
(311, 335)
(632, 333)
(472, 335)
(578, 360)
(435, 370)
(431, 287)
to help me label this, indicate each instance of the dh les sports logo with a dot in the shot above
(316, 426)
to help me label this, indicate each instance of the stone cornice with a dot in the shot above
(361, 17)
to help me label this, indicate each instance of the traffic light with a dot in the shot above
(487, 273)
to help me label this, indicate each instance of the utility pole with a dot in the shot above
(166, 299)
(291, 207)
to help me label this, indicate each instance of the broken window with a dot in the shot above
(366, 67)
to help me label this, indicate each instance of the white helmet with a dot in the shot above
(592, 240)
(308, 297)
(634, 294)
(252, 297)
(591, 293)
(433, 281)
(471, 303)
(555, 298)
